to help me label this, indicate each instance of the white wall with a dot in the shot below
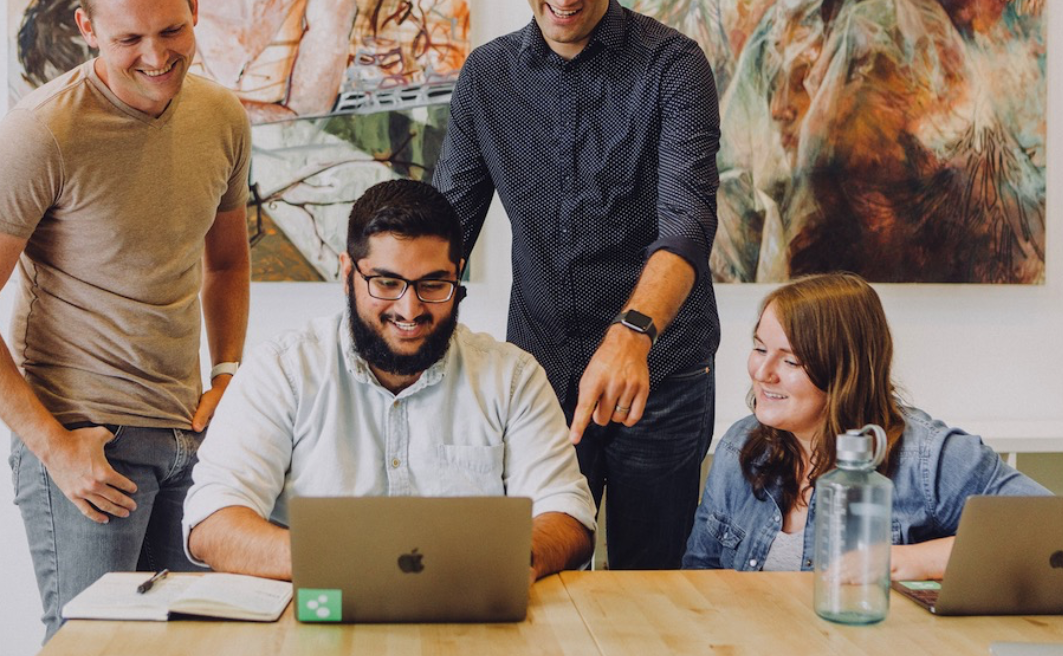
(966, 354)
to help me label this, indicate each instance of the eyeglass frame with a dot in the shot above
(406, 283)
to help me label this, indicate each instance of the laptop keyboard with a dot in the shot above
(926, 597)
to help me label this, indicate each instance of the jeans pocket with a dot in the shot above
(703, 369)
(117, 431)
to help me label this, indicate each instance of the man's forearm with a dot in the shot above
(559, 542)
(226, 285)
(23, 412)
(236, 539)
(226, 299)
(663, 287)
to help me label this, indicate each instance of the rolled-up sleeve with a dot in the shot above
(540, 462)
(688, 180)
(248, 448)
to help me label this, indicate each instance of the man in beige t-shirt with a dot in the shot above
(123, 186)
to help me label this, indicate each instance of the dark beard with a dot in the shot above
(372, 346)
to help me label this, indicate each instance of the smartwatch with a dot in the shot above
(638, 322)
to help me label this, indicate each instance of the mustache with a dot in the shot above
(424, 319)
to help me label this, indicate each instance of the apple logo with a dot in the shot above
(1056, 560)
(411, 563)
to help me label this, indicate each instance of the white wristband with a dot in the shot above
(224, 368)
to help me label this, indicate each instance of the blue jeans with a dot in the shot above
(652, 471)
(70, 551)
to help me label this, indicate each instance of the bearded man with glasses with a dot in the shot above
(390, 397)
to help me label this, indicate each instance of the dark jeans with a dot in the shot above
(652, 471)
(71, 551)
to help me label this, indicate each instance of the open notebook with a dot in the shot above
(230, 596)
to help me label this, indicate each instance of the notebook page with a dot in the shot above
(114, 597)
(234, 596)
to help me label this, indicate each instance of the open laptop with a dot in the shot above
(1007, 560)
(411, 559)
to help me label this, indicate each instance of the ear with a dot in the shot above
(195, 11)
(461, 269)
(346, 266)
(85, 27)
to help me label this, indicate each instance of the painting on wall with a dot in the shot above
(341, 94)
(900, 139)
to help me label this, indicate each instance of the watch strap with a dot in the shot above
(224, 368)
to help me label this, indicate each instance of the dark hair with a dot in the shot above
(837, 329)
(406, 208)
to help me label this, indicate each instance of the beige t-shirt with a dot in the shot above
(116, 204)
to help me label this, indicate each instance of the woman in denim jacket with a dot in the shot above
(821, 365)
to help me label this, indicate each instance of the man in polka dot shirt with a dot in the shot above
(598, 127)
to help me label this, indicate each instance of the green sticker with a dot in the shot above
(319, 605)
(922, 585)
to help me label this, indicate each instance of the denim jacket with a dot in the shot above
(936, 469)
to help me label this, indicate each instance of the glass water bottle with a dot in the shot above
(853, 530)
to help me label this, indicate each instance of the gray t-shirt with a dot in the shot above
(784, 554)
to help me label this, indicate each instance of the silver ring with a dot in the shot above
(621, 409)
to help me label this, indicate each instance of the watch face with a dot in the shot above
(637, 320)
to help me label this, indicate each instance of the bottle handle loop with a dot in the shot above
(878, 438)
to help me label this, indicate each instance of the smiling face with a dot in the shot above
(400, 339)
(567, 24)
(786, 398)
(146, 48)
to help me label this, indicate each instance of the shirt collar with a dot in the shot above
(162, 119)
(608, 33)
(360, 371)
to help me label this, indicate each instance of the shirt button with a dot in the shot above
(396, 462)
(753, 563)
(808, 562)
(396, 404)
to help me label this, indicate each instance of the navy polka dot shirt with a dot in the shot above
(599, 162)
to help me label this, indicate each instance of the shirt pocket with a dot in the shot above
(729, 537)
(469, 470)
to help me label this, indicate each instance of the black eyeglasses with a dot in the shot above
(391, 288)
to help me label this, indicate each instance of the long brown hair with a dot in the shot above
(838, 330)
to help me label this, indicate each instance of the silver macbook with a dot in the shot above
(411, 559)
(1007, 560)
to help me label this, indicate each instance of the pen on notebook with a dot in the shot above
(147, 585)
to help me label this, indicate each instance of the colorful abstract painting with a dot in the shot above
(900, 139)
(341, 94)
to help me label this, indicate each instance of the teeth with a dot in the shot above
(159, 72)
(774, 396)
(405, 326)
(562, 14)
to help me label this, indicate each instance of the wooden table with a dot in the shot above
(610, 613)
(553, 627)
(728, 612)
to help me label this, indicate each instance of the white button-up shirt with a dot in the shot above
(305, 416)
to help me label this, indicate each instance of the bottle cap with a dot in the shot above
(861, 448)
